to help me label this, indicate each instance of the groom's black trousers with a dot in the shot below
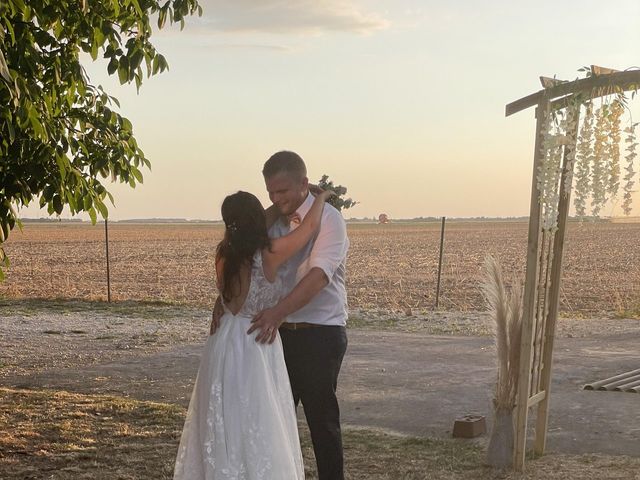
(314, 356)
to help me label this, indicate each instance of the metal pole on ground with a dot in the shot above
(440, 262)
(106, 240)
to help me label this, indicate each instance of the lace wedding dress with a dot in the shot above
(241, 421)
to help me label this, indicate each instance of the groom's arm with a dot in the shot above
(326, 256)
(269, 320)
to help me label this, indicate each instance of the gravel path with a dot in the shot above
(42, 335)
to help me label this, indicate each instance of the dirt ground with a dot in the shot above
(412, 375)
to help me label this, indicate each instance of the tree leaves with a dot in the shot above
(59, 134)
(4, 69)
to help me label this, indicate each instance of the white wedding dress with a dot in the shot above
(241, 421)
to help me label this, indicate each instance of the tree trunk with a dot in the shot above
(500, 451)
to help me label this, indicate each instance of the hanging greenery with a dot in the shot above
(592, 148)
(616, 110)
(584, 158)
(549, 172)
(598, 168)
(571, 129)
(631, 145)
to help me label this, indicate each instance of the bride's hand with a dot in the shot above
(319, 192)
(327, 194)
(315, 189)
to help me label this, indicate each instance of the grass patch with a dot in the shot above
(421, 321)
(61, 435)
(29, 307)
(440, 323)
(632, 311)
(360, 322)
(157, 310)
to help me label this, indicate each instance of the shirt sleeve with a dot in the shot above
(330, 246)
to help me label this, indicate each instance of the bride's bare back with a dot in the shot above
(280, 251)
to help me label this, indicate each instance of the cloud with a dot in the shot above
(303, 17)
(249, 47)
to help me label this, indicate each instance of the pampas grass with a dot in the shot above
(506, 309)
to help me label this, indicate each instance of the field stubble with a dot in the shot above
(390, 267)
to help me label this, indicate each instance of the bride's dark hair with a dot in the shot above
(245, 232)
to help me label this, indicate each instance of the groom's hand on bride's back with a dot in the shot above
(267, 322)
(216, 315)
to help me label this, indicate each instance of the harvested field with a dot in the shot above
(391, 267)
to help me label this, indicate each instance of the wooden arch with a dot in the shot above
(545, 249)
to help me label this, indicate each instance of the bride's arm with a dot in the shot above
(285, 247)
(218, 309)
(216, 315)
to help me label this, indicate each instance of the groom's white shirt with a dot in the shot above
(327, 251)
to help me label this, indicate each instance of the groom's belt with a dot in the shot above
(298, 325)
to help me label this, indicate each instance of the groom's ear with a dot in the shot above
(305, 183)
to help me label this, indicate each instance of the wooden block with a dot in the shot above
(597, 70)
(548, 82)
(469, 426)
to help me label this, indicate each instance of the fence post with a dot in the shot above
(106, 240)
(440, 262)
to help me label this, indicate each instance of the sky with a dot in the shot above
(400, 101)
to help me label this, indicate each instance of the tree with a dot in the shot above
(60, 134)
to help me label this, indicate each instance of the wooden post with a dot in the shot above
(554, 293)
(530, 296)
(440, 262)
(537, 325)
(106, 241)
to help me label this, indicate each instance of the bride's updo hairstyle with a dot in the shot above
(245, 232)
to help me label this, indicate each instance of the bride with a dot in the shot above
(241, 421)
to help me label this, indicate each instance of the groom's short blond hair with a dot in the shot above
(285, 162)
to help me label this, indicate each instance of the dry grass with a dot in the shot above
(60, 435)
(391, 267)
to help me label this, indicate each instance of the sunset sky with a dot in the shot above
(401, 101)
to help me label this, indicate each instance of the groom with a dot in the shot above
(312, 317)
